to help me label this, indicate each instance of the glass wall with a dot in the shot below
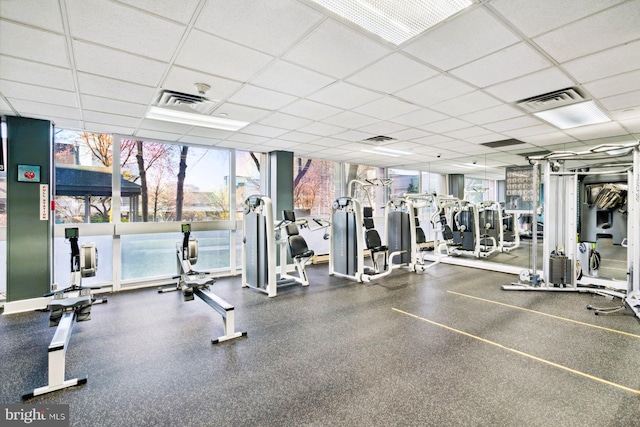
(247, 178)
(403, 182)
(83, 168)
(362, 173)
(477, 190)
(315, 187)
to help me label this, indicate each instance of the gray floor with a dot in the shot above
(341, 353)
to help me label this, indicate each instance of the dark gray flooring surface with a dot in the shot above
(340, 353)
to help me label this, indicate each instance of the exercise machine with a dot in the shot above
(261, 238)
(194, 283)
(68, 306)
(469, 236)
(560, 206)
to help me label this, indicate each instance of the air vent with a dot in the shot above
(551, 100)
(379, 138)
(502, 143)
(184, 102)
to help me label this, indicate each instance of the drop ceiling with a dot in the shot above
(312, 83)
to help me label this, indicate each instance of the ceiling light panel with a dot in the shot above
(574, 115)
(395, 21)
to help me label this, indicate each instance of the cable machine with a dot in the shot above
(560, 253)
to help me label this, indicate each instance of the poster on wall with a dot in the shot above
(519, 189)
(28, 173)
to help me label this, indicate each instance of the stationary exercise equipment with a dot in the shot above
(470, 236)
(194, 283)
(352, 233)
(261, 237)
(560, 260)
(68, 306)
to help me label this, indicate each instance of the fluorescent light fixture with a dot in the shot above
(193, 119)
(574, 115)
(395, 20)
(386, 151)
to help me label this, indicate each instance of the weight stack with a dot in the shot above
(560, 270)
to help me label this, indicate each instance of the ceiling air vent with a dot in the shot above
(502, 143)
(379, 138)
(185, 102)
(551, 100)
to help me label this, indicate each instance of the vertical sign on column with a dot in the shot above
(44, 202)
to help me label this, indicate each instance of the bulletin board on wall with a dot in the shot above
(519, 189)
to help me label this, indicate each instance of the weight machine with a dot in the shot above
(191, 282)
(260, 237)
(470, 237)
(353, 232)
(560, 271)
(68, 306)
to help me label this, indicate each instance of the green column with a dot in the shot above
(29, 243)
(281, 182)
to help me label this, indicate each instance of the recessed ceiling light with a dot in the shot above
(574, 115)
(386, 151)
(193, 119)
(395, 20)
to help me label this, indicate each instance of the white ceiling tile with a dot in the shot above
(470, 132)
(434, 90)
(534, 84)
(35, 45)
(419, 117)
(47, 16)
(209, 133)
(285, 121)
(167, 9)
(270, 26)
(464, 38)
(310, 110)
(632, 124)
(349, 119)
(163, 126)
(152, 135)
(533, 18)
(354, 135)
(213, 55)
(446, 125)
(614, 85)
(626, 114)
(514, 61)
(94, 59)
(299, 137)
(261, 130)
(207, 142)
(43, 94)
(122, 27)
(466, 103)
(382, 128)
(606, 29)
(344, 95)
(289, 78)
(105, 128)
(247, 139)
(323, 129)
(515, 123)
(183, 80)
(409, 134)
(607, 63)
(622, 101)
(282, 144)
(489, 137)
(336, 50)
(385, 108)
(601, 130)
(116, 119)
(20, 70)
(392, 73)
(106, 105)
(240, 112)
(493, 114)
(40, 110)
(329, 142)
(104, 87)
(254, 96)
(530, 131)
(547, 139)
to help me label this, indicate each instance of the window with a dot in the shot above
(477, 190)
(403, 182)
(83, 168)
(166, 182)
(314, 187)
(247, 178)
(361, 173)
